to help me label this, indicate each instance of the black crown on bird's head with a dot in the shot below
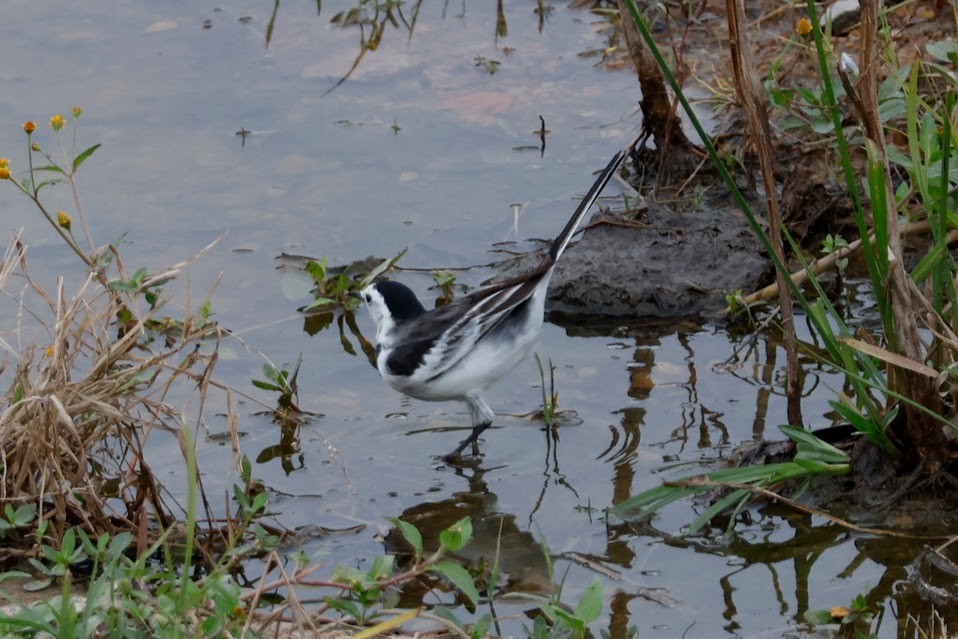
(402, 302)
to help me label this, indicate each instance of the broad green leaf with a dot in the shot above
(24, 514)
(481, 627)
(410, 533)
(381, 568)
(80, 159)
(271, 373)
(944, 51)
(460, 578)
(457, 535)
(345, 606)
(590, 604)
(570, 621)
(448, 615)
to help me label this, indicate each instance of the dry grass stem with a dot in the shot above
(81, 403)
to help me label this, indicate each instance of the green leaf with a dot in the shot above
(818, 617)
(481, 627)
(809, 443)
(740, 496)
(319, 303)
(381, 568)
(347, 575)
(448, 615)
(460, 578)
(945, 51)
(410, 533)
(24, 514)
(590, 604)
(569, 621)
(37, 585)
(80, 159)
(379, 270)
(138, 276)
(345, 606)
(50, 167)
(270, 372)
(265, 385)
(121, 287)
(457, 535)
(317, 270)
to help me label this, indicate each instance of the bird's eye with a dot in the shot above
(369, 298)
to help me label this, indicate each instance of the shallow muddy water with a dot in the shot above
(423, 148)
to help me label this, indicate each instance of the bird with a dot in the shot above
(457, 351)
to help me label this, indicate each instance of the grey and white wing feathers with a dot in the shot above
(437, 341)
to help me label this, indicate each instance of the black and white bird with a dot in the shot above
(455, 352)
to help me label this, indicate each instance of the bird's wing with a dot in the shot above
(437, 340)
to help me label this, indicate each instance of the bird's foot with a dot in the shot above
(472, 440)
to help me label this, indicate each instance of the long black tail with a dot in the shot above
(563, 240)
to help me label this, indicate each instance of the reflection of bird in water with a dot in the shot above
(521, 559)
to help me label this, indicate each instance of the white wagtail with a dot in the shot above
(455, 352)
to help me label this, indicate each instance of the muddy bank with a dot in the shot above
(656, 262)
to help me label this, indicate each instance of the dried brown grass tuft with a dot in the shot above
(80, 406)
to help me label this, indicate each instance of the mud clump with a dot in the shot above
(662, 264)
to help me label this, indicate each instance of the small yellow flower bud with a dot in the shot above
(49, 351)
(34, 147)
(4, 173)
(838, 613)
(29, 127)
(76, 111)
(56, 122)
(804, 27)
(4, 163)
(63, 219)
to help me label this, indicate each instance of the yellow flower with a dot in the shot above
(838, 612)
(49, 351)
(804, 27)
(76, 111)
(29, 126)
(4, 163)
(56, 122)
(4, 173)
(63, 219)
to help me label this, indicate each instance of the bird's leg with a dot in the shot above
(482, 416)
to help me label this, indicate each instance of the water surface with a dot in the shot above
(420, 148)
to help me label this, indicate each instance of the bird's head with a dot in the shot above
(390, 304)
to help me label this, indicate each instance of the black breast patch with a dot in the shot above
(408, 356)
